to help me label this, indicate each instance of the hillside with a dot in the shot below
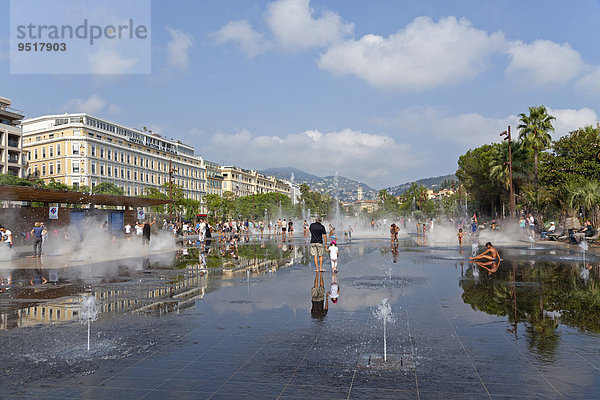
(345, 189)
(429, 183)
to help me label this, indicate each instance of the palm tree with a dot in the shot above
(586, 195)
(499, 168)
(534, 133)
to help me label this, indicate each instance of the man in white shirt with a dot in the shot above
(6, 236)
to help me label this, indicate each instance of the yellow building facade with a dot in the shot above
(78, 149)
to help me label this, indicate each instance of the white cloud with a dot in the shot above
(568, 120)
(372, 158)
(423, 55)
(295, 27)
(108, 60)
(91, 105)
(543, 62)
(178, 48)
(473, 129)
(240, 32)
(590, 82)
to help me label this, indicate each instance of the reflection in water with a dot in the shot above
(540, 295)
(320, 300)
(144, 285)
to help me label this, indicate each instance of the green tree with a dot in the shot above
(474, 174)
(586, 195)
(534, 130)
(499, 165)
(388, 204)
(575, 156)
(13, 180)
(154, 193)
(107, 188)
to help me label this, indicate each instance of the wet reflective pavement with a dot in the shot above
(238, 325)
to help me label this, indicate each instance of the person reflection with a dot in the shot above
(320, 300)
(489, 266)
(37, 278)
(334, 292)
(394, 249)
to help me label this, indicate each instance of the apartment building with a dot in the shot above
(11, 143)
(214, 178)
(242, 182)
(80, 149)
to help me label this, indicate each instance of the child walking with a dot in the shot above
(460, 236)
(333, 255)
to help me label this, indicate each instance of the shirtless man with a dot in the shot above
(491, 254)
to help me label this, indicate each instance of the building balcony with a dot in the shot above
(16, 130)
(11, 113)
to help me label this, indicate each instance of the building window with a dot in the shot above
(58, 149)
(134, 160)
(108, 154)
(128, 174)
(75, 149)
(122, 158)
(35, 154)
(101, 152)
(102, 169)
(128, 159)
(51, 168)
(76, 166)
(44, 169)
(93, 151)
(51, 151)
(146, 163)
(122, 173)
(58, 167)
(93, 168)
(108, 170)
(135, 175)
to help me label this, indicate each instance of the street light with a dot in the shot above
(512, 190)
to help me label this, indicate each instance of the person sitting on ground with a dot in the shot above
(551, 230)
(491, 254)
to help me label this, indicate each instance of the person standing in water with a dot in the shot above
(460, 237)
(317, 247)
(146, 232)
(333, 255)
(38, 232)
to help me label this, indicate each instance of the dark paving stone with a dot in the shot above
(176, 395)
(191, 385)
(115, 394)
(129, 382)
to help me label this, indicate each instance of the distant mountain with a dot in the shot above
(338, 187)
(286, 173)
(429, 183)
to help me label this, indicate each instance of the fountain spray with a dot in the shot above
(88, 313)
(584, 246)
(384, 313)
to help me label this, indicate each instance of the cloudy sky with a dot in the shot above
(381, 91)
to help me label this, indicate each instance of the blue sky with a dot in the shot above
(380, 91)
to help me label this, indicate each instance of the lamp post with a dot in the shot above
(512, 190)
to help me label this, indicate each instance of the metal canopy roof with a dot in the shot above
(28, 193)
